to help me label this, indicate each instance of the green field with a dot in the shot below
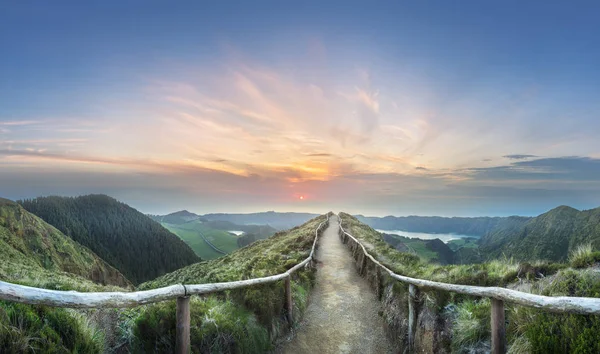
(416, 246)
(462, 243)
(191, 233)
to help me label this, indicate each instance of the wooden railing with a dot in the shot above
(559, 304)
(74, 299)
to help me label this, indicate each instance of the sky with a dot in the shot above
(400, 107)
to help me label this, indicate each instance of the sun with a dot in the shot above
(301, 197)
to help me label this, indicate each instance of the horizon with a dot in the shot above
(375, 109)
(258, 211)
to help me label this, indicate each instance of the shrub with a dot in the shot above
(560, 333)
(28, 329)
(583, 256)
(217, 326)
(471, 324)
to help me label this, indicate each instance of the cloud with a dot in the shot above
(518, 157)
(557, 169)
(222, 133)
(322, 154)
(18, 123)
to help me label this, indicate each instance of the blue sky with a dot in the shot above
(447, 108)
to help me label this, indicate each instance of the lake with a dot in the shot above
(426, 236)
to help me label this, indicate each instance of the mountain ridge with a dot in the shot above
(548, 236)
(125, 238)
(28, 242)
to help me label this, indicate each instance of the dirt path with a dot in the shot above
(343, 314)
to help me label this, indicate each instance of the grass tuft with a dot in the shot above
(471, 324)
(583, 256)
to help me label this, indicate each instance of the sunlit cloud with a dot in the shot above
(249, 130)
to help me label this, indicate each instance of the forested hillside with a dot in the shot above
(550, 236)
(128, 240)
(477, 226)
(30, 248)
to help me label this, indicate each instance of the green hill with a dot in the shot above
(178, 217)
(32, 249)
(550, 236)
(203, 236)
(436, 251)
(235, 321)
(34, 253)
(466, 320)
(476, 226)
(126, 239)
(195, 234)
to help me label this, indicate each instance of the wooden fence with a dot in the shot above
(74, 299)
(559, 304)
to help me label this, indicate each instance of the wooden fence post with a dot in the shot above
(498, 327)
(289, 305)
(182, 342)
(413, 293)
(363, 265)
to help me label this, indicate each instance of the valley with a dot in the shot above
(212, 248)
(212, 238)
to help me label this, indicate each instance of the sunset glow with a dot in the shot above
(397, 111)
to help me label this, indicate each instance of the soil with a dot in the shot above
(343, 314)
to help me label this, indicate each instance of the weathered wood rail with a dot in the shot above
(498, 295)
(74, 299)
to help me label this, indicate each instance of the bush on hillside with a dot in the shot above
(583, 256)
(218, 326)
(543, 332)
(471, 325)
(35, 329)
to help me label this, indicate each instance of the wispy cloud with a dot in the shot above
(519, 157)
(16, 123)
(248, 128)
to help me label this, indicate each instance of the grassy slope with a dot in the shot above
(242, 320)
(491, 273)
(216, 232)
(529, 330)
(264, 257)
(36, 254)
(462, 243)
(190, 233)
(551, 236)
(137, 246)
(237, 321)
(29, 247)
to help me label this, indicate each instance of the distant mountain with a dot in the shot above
(178, 217)
(30, 246)
(128, 240)
(279, 221)
(550, 236)
(476, 226)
